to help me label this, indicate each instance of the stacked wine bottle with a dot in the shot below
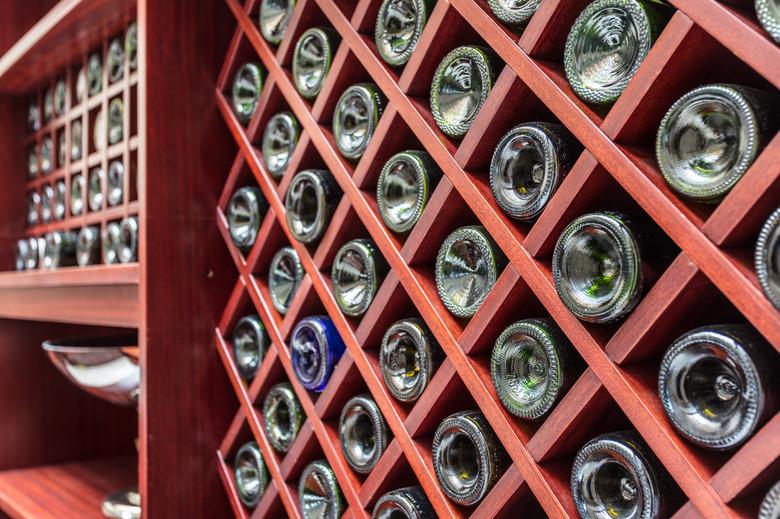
(714, 382)
(81, 170)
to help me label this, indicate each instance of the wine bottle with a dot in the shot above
(250, 473)
(408, 503)
(33, 117)
(116, 120)
(716, 384)
(60, 249)
(109, 240)
(467, 267)
(363, 433)
(279, 140)
(316, 348)
(515, 13)
(76, 140)
(461, 85)
(48, 105)
(404, 187)
(310, 202)
(607, 44)
(767, 258)
(77, 187)
(115, 60)
(245, 212)
(283, 416)
(95, 197)
(285, 276)
(47, 203)
(60, 97)
(88, 246)
(355, 118)
(597, 267)
(467, 457)
(61, 150)
(399, 25)
(312, 57)
(528, 165)
(247, 84)
(22, 253)
(250, 344)
(82, 89)
(32, 162)
(710, 136)
(33, 208)
(408, 358)
(617, 474)
(131, 46)
(127, 247)
(358, 270)
(319, 493)
(94, 74)
(532, 367)
(100, 130)
(116, 183)
(274, 17)
(768, 13)
(58, 201)
(47, 150)
(770, 506)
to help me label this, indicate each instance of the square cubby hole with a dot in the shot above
(446, 30)
(391, 473)
(446, 212)
(93, 140)
(239, 176)
(687, 301)
(271, 103)
(240, 52)
(600, 415)
(634, 123)
(511, 301)
(230, 447)
(602, 193)
(510, 494)
(307, 15)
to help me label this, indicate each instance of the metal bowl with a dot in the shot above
(105, 367)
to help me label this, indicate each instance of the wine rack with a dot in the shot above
(705, 278)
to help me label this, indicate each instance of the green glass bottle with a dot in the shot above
(515, 13)
(279, 140)
(767, 258)
(247, 84)
(355, 118)
(404, 503)
(405, 184)
(312, 58)
(319, 493)
(768, 12)
(358, 270)
(363, 433)
(399, 25)
(408, 358)
(251, 474)
(274, 17)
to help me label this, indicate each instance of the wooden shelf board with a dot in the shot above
(100, 295)
(71, 490)
(70, 28)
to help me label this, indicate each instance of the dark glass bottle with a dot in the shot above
(467, 457)
(767, 258)
(78, 185)
(274, 17)
(770, 506)
(116, 110)
(33, 208)
(467, 266)
(279, 140)
(60, 250)
(110, 240)
(319, 493)
(127, 248)
(312, 57)
(528, 165)
(131, 45)
(76, 140)
(250, 344)
(115, 183)
(88, 246)
(363, 433)
(247, 84)
(408, 358)
(115, 60)
(355, 118)
(310, 202)
(95, 196)
(245, 213)
(283, 416)
(515, 13)
(251, 474)
(399, 24)
(285, 275)
(768, 12)
(597, 267)
(716, 384)
(618, 473)
(404, 503)
(358, 270)
(405, 184)
(94, 75)
(316, 348)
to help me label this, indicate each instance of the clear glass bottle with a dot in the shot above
(528, 165)
(247, 84)
(78, 185)
(46, 158)
(316, 349)
(358, 270)
(279, 140)
(408, 358)
(95, 197)
(515, 13)
(131, 45)
(60, 250)
(116, 122)
(109, 240)
(710, 136)
(770, 506)
(47, 203)
(127, 247)
(245, 213)
(274, 17)
(250, 344)
(283, 416)
(250, 473)
(617, 474)
(399, 24)
(532, 367)
(716, 384)
(88, 246)
(33, 208)
(404, 503)
(94, 75)
(319, 492)
(768, 13)
(363, 433)
(405, 184)
(461, 85)
(607, 44)
(60, 97)
(310, 202)
(312, 57)
(597, 267)
(355, 118)
(116, 184)
(115, 60)
(467, 457)
(767, 258)
(285, 275)
(467, 266)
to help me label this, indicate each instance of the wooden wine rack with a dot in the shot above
(707, 279)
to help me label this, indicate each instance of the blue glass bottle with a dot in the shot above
(316, 348)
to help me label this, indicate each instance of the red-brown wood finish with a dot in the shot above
(615, 387)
